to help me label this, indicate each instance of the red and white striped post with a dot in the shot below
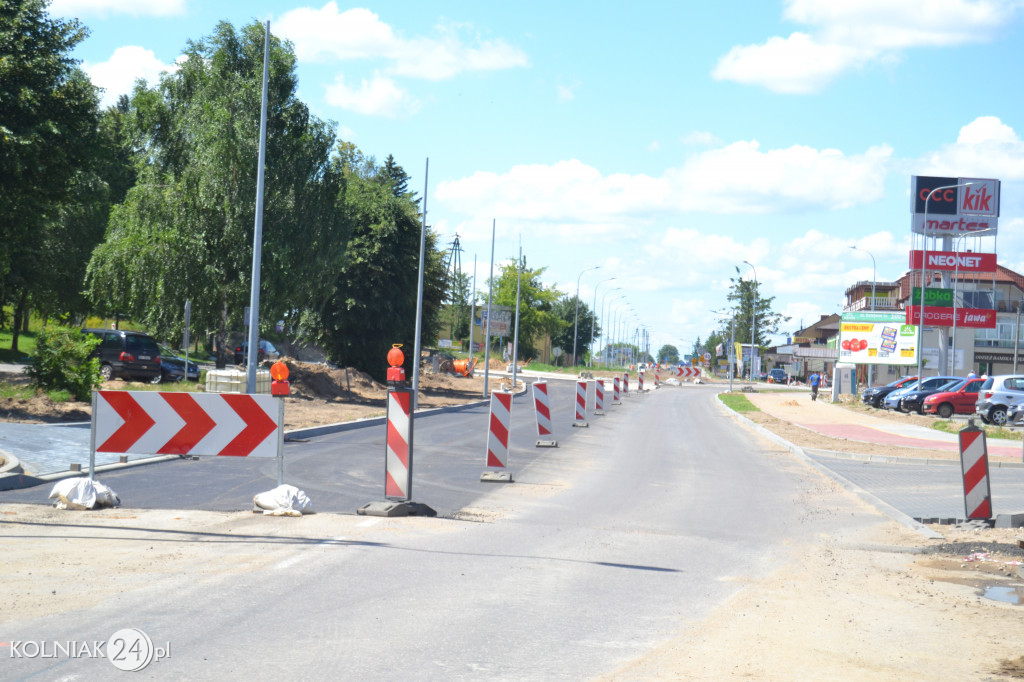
(615, 391)
(581, 404)
(640, 382)
(974, 465)
(656, 384)
(599, 396)
(497, 437)
(542, 406)
(398, 459)
(625, 383)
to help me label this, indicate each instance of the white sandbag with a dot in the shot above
(81, 493)
(284, 500)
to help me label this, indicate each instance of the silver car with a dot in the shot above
(996, 395)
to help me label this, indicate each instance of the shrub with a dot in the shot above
(62, 362)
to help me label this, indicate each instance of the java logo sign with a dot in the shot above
(954, 205)
(950, 261)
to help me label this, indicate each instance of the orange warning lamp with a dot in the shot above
(279, 374)
(395, 358)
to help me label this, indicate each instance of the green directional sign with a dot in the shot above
(933, 298)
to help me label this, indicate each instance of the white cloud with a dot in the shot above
(654, 146)
(327, 34)
(738, 178)
(852, 33)
(986, 147)
(379, 96)
(118, 74)
(565, 93)
(700, 138)
(155, 8)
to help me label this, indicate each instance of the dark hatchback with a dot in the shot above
(914, 400)
(876, 394)
(127, 355)
(172, 367)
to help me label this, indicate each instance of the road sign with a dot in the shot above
(974, 466)
(158, 423)
(687, 372)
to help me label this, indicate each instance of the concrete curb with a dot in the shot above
(17, 481)
(883, 507)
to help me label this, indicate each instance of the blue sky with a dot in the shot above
(666, 142)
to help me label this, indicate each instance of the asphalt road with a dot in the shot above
(648, 519)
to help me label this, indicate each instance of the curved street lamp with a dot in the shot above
(604, 335)
(576, 320)
(593, 313)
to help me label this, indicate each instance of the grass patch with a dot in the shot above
(739, 403)
(951, 426)
(26, 346)
(25, 391)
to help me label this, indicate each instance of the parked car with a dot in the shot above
(778, 376)
(127, 355)
(267, 350)
(958, 399)
(172, 367)
(876, 394)
(913, 401)
(1015, 413)
(894, 399)
(996, 395)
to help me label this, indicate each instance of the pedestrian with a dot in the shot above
(815, 381)
(972, 375)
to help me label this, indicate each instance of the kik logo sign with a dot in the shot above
(981, 197)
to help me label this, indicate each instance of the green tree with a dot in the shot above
(749, 306)
(371, 300)
(586, 326)
(62, 361)
(668, 354)
(48, 131)
(395, 175)
(536, 317)
(184, 231)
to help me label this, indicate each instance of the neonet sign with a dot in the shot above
(949, 260)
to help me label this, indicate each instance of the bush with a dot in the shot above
(62, 362)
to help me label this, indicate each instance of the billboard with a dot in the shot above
(950, 261)
(954, 210)
(877, 338)
(501, 320)
(933, 298)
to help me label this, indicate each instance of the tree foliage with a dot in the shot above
(585, 325)
(62, 361)
(48, 136)
(536, 315)
(749, 307)
(668, 354)
(184, 231)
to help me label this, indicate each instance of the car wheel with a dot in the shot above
(920, 409)
(984, 419)
(945, 410)
(106, 372)
(997, 415)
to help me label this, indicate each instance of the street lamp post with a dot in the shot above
(604, 335)
(576, 319)
(593, 313)
(753, 319)
(874, 277)
(924, 271)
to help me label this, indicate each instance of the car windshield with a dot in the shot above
(955, 385)
(165, 351)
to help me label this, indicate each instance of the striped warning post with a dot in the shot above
(656, 384)
(974, 464)
(625, 383)
(542, 407)
(398, 469)
(640, 382)
(581, 404)
(497, 433)
(599, 397)
(615, 391)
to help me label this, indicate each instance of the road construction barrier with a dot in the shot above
(615, 391)
(497, 433)
(625, 383)
(581, 404)
(974, 465)
(542, 407)
(656, 384)
(398, 469)
(599, 397)
(640, 382)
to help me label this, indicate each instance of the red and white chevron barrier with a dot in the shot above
(581, 404)
(497, 432)
(615, 391)
(688, 372)
(398, 469)
(974, 465)
(157, 423)
(542, 408)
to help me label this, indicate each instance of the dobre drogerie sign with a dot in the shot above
(945, 317)
(949, 260)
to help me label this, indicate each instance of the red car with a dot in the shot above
(960, 399)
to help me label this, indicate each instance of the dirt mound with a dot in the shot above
(322, 382)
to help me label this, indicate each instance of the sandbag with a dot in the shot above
(284, 500)
(81, 493)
